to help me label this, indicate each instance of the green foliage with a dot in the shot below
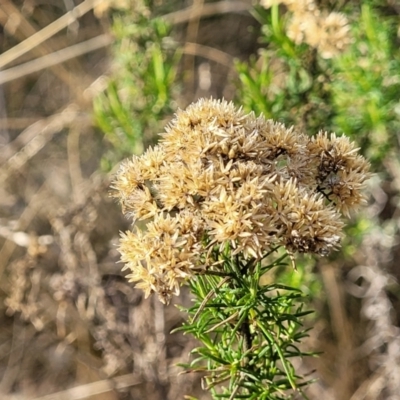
(249, 332)
(356, 92)
(286, 82)
(141, 91)
(365, 91)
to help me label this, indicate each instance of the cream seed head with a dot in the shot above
(328, 33)
(220, 176)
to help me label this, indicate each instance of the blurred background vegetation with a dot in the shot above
(85, 84)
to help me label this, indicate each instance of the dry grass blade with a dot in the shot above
(17, 123)
(92, 389)
(371, 387)
(342, 330)
(208, 297)
(40, 133)
(216, 55)
(207, 10)
(23, 222)
(47, 32)
(55, 58)
(225, 321)
(191, 35)
(24, 28)
(37, 127)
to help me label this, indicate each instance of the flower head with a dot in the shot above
(328, 33)
(222, 177)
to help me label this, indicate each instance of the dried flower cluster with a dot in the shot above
(221, 176)
(327, 32)
(103, 6)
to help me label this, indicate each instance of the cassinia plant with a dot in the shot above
(225, 196)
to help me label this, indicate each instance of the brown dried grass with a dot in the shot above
(71, 327)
